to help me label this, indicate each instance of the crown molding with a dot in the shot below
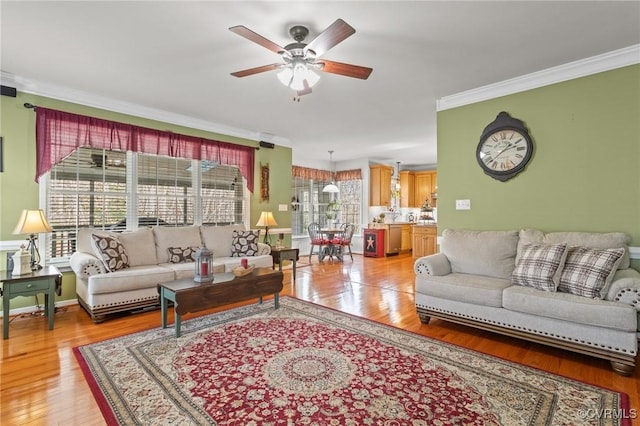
(66, 94)
(593, 65)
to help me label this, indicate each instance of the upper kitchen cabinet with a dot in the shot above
(426, 184)
(407, 189)
(380, 185)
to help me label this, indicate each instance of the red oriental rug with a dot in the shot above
(305, 364)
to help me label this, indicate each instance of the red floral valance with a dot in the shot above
(58, 134)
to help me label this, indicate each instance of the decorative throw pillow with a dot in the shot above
(588, 271)
(245, 243)
(111, 252)
(540, 266)
(182, 254)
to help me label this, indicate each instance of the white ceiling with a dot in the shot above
(175, 58)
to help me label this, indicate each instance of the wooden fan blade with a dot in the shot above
(245, 32)
(255, 70)
(334, 34)
(348, 70)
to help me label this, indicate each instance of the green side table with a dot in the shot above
(47, 280)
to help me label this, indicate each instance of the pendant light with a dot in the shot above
(332, 188)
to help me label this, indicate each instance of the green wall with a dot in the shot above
(18, 189)
(585, 170)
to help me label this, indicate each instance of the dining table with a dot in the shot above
(331, 250)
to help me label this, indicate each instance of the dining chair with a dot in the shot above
(317, 239)
(347, 235)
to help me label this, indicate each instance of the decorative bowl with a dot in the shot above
(240, 271)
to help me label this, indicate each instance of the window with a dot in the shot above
(309, 204)
(102, 189)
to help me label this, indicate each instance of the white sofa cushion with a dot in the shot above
(476, 289)
(588, 272)
(181, 236)
(602, 240)
(135, 278)
(540, 266)
(218, 238)
(138, 244)
(569, 307)
(488, 253)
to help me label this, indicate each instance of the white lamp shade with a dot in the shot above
(331, 188)
(295, 77)
(266, 219)
(32, 222)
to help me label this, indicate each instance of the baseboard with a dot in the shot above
(34, 308)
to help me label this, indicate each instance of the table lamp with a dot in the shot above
(33, 222)
(266, 220)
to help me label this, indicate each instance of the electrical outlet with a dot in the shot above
(463, 204)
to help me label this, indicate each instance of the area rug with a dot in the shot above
(306, 364)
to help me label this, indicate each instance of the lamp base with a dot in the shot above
(35, 254)
(267, 237)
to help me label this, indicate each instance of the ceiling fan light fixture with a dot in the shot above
(294, 75)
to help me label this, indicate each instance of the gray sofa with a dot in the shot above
(153, 255)
(571, 290)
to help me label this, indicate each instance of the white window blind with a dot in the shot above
(101, 189)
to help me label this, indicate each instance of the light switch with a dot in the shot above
(283, 207)
(463, 204)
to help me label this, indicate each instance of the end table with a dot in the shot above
(283, 253)
(47, 280)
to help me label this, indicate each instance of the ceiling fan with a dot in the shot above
(301, 60)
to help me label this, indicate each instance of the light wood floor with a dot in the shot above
(41, 382)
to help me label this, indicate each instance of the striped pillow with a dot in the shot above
(588, 271)
(539, 266)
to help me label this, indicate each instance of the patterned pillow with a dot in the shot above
(245, 243)
(588, 271)
(182, 254)
(111, 252)
(540, 266)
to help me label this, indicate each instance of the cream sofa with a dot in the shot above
(525, 284)
(101, 291)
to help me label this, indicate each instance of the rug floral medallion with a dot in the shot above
(304, 364)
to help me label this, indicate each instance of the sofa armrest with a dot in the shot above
(84, 265)
(625, 288)
(263, 249)
(435, 264)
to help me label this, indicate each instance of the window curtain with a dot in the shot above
(58, 134)
(324, 175)
(307, 173)
(355, 174)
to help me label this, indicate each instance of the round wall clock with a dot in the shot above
(505, 147)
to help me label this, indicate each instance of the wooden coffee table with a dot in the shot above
(190, 296)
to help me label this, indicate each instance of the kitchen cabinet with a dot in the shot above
(393, 239)
(426, 184)
(407, 189)
(380, 185)
(425, 240)
(406, 238)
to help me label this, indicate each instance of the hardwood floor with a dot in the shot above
(41, 383)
